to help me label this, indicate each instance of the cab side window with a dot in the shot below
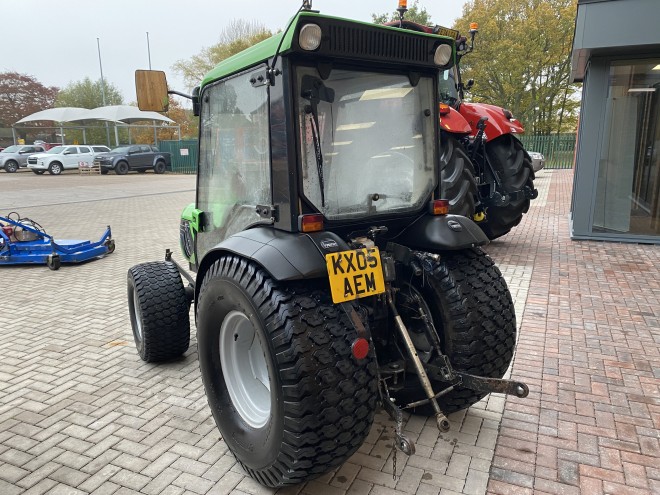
(234, 161)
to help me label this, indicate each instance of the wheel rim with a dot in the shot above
(12, 167)
(56, 169)
(138, 315)
(244, 368)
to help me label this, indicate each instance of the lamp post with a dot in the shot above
(153, 121)
(107, 129)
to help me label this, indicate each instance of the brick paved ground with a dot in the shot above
(80, 413)
(589, 349)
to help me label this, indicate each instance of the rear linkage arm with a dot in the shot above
(425, 372)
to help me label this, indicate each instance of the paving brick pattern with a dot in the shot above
(81, 413)
(589, 350)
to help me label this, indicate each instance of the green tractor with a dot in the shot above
(330, 278)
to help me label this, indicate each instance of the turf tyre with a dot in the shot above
(457, 176)
(159, 311)
(514, 166)
(321, 399)
(473, 313)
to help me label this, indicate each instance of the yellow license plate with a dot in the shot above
(354, 274)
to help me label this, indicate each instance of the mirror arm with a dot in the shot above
(179, 93)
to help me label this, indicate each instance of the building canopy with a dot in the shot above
(116, 113)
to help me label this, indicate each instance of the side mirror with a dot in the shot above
(469, 84)
(151, 90)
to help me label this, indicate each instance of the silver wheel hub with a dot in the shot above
(138, 315)
(244, 368)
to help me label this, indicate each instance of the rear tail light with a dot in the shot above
(439, 207)
(360, 348)
(310, 223)
(7, 230)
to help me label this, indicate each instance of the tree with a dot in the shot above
(235, 38)
(415, 14)
(521, 60)
(183, 117)
(88, 94)
(22, 95)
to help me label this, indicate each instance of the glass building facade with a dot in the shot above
(616, 194)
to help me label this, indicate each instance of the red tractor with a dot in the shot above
(486, 173)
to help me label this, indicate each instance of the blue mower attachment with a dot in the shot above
(23, 241)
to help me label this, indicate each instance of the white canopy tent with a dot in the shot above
(122, 114)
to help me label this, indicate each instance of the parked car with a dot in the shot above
(538, 160)
(64, 157)
(140, 157)
(14, 157)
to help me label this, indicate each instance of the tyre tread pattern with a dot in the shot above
(457, 177)
(164, 308)
(329, 397)
(474, 315)
(514, 165)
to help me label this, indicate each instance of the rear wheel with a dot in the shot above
(11, 166)
(158, 308)
(121, 168)
(473, 313)
(514, 166)
(278, 371)
(159, 168)
(55, 168)
(457, 176)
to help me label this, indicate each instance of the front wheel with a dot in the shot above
(55, 168)
(514, 166)
(121, 168)
(473, 314)
(158, 308)
(285, 391)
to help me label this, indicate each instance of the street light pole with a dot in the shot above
(153, 121)
(107, 129)
(148, 50)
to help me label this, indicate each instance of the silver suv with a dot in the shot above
(16, 156)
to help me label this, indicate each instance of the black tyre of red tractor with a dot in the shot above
(305, 404)
(473, 313)
(159, 311)
(457, 173)
(514, 166)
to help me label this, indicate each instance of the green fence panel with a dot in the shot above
(558, 149)
(184, 155)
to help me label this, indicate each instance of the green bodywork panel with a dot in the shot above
(193, 216)
(265, 50)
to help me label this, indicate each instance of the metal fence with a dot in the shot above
(558, 149)
(184, 155)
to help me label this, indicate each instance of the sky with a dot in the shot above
(56, 42)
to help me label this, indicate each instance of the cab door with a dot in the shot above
(70, 157)
(85, 155)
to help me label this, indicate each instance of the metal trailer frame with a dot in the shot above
(46, 250)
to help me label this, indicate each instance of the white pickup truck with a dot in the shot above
(64, 157)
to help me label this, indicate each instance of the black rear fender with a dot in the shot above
(284, 255)
(442, 233)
